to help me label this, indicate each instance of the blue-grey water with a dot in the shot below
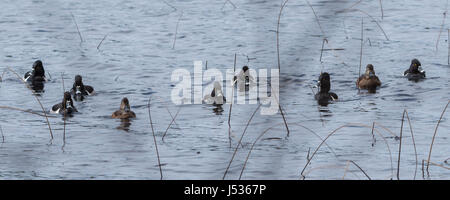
(137, 58)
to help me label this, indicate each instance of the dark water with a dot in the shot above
(136, 60)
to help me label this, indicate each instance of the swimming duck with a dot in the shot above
(66, 106)
(37, 73)
(79, 90)
(324, 95)
(124, 112)
(415, 71)
(368, 80)
(243, 79)
(216, 97)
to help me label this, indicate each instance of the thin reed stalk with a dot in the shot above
(278, 33)
(400, 146)
(79, 33)
(3, 136)
(22, 110)
(414, 142)
(373, 19)
(346, 169)
(231, 102)
(98, 46)
(434, 136)
(65, 113)
(373, 136)
(332, 133)
(176, 31)
(321, 50)
(240, 140)
(171, 122)
(381, 8)
(362, 42)
(360, 169)
(317, 18)
(442, 26)
(37, 99)
(154, 137)
(265, 131)
(435, 164)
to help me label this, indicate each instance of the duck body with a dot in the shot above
(124, 112)
(216, 97)
(79, 90)
(369, 80)
(243, 79)
(324, 96)
(65, 107)
(415, 72)
(36, 77)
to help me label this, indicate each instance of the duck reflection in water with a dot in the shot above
(124, 124)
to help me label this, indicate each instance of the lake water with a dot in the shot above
(137, 58)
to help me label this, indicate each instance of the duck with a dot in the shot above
(37, 73)
(243, 79)
(415, 71)
(216, 97)
(124, 112)
(79, 90)
(66, 106)
(324, 95)
(368, 80)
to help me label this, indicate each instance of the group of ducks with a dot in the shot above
(36, 79)
(368, 81)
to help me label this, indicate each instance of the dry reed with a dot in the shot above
(240, 140)
(154, 137)
(37, 99)
(434, 136)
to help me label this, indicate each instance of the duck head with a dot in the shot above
(38, 69)
(324, 82)
(125, 104)
(415, 66)
(67, 100)
(370, 72)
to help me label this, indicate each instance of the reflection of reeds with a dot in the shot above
(240, 140)
(37, 99)
(154, 137)
(434, 136)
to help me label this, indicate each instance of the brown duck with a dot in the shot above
(124, 112)
(368, 80)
